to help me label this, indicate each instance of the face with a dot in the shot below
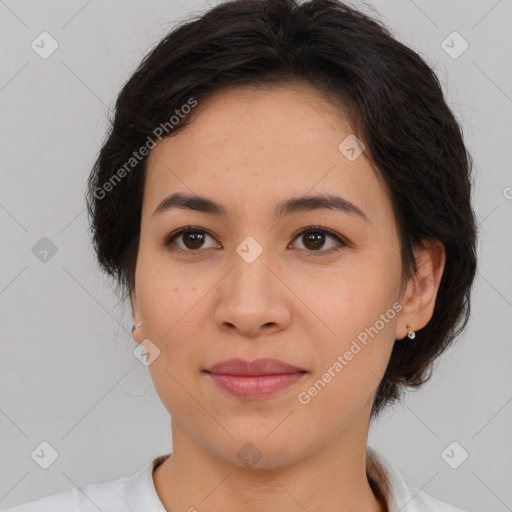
(317, 288)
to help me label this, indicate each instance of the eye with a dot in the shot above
(314, 237)
(192, 240)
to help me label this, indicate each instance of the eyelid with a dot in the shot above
(333, 234)
(342, 240)
(168, 240)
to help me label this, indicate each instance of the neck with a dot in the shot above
(332, 478)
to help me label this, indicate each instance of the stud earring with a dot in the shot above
(411, 334)
(136, 326)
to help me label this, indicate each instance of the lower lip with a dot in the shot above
(257, 386)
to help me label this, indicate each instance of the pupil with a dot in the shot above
(196, 238)
(316, 239)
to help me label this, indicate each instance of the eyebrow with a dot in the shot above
(289, 206)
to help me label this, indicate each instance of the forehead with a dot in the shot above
(244, 145)
(278, 116)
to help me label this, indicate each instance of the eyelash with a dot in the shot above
(169, 240)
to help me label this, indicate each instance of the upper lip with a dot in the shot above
(265, 366)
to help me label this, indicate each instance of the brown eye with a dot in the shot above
(192, 240)
(314, 240)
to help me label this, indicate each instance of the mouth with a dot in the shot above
(254, 379)
(257, 368)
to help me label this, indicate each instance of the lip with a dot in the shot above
(258, 367)
(254, 379)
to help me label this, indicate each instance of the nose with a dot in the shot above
(253, 299)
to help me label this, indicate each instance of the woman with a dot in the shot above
(284, 196)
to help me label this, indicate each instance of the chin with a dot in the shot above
(261, 452)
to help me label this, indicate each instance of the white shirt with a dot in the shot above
(136, 493)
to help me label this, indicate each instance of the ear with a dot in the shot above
(420, 295)
(137, 334)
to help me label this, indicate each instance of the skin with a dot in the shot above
(248, 150)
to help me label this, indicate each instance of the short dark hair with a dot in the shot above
(396, 107)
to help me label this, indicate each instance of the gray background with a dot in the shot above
(68, 373)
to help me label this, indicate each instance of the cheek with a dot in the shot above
(360, 307)
(167, 293)
(350, 368)
(354, 298)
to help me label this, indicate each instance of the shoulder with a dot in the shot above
(87, 498)
(424, 502)
(66, 500)
(113, 496)
(399, 496)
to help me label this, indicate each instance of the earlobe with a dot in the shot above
(421, 292)
(136, 323)
(137, 333)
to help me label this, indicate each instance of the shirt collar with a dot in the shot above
(398, 496)
(385, 478)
